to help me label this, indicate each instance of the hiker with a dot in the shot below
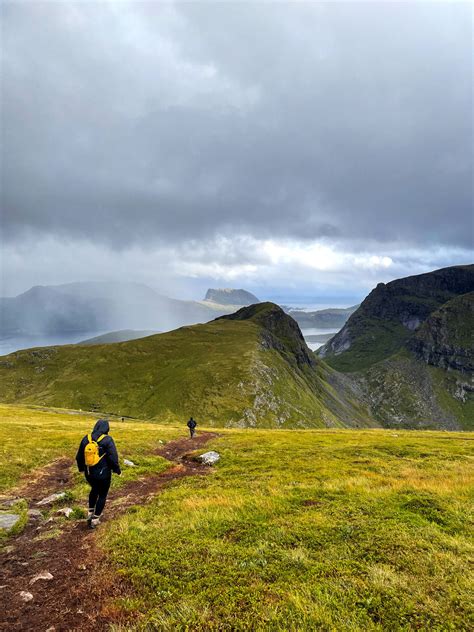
(192, 427)
(97, 457)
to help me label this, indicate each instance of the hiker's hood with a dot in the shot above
(101, 427)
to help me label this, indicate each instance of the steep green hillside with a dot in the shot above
(405, 392)
(390, 315)
(250, 369)
(446, 338)
(429, 384)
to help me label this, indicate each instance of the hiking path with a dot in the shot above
(81, 593)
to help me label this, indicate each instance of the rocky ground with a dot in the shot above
(57, 580)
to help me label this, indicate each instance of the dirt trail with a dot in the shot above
(80, 595)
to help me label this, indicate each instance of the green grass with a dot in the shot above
(406, 392)
(219, 372)
(308, 530)
(372, 340)
(31, 438)
(292, 530)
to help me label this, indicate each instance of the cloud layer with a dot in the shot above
(345, 127)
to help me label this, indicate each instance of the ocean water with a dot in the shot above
(313, 331)
(9, 344)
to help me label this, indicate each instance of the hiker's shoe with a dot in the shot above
(94, 522)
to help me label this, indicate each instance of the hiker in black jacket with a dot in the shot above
(104, 455)
(192, 427)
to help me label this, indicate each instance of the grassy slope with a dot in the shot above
(301, 530)
(30, 438)
(217, 372)
(373, 340)
(406, 392)
(451, 325)
(376, 331)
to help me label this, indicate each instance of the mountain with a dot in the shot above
(228, 296)
(118, 336)
(332, 318)
(99, 306)
(390, 315)
(446, 338)
(410, 347)
(252, 368)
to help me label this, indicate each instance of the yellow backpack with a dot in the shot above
(91, 451)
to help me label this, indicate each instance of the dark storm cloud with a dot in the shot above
(126, 123)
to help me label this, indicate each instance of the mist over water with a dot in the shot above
(9, 344)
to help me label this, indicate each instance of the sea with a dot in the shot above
(16, 342)
(9, 344)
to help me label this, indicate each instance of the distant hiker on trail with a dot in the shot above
(192, 427)
(97, 457)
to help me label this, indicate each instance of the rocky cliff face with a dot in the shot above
(280, 332)
(228, 296)
(446, 338)
(390, 315)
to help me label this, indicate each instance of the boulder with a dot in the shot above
(35, 514)
(8, 520)
(26, 596)
(43, 575)
(65, 511)
(10, 502)
(209, 458)
(49, 500)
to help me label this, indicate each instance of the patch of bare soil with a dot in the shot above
(80, 594)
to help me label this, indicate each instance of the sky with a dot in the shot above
(303, 151)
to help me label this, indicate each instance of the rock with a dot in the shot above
(26, 596)
(43, 575)
(209, 458)
(65, 511)
(160, 441)
(9, 549)
(35, 514)
(230, 296)
(49, 500)
(129, 463)
(10, 502)
(8, 520)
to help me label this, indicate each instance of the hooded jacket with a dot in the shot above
(109, 463)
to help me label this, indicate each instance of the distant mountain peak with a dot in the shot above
(281, 331)
(230, 296)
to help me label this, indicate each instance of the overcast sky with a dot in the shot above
(292, 149)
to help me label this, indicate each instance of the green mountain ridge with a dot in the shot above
(391, 314)
(248, 369)
(410, 348)
(118, 336)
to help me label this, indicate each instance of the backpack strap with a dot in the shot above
(89, 438)
(100, 438)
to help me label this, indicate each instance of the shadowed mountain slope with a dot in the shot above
(390, 316)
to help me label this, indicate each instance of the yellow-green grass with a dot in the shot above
(219, 372)
(30, 438)
(308, 530)
(293, 530)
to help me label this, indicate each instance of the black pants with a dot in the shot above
(192, 431)
(98, 493)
